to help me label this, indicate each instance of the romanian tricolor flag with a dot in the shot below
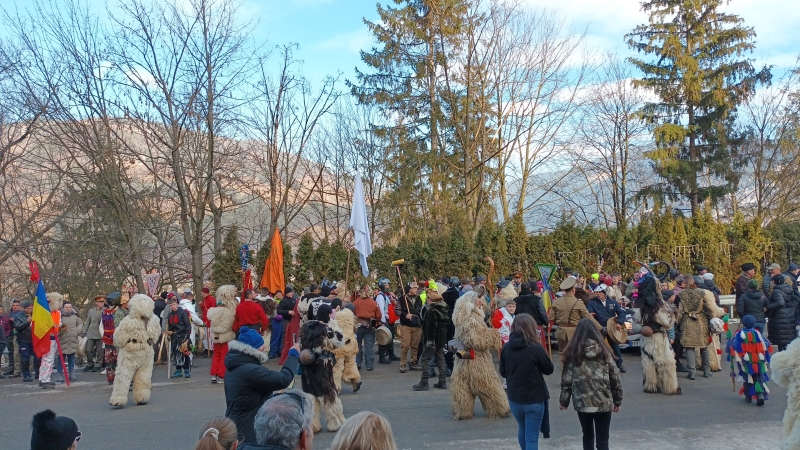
(547, 295)
(42, 322)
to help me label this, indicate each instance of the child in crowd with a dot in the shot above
(748, 353)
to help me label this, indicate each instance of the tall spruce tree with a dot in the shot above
(227, 267)
(700, 75)
(415, 41)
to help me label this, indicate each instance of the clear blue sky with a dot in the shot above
(331, 32)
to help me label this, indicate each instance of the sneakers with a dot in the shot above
(706, 374)
(27, 379)
(47, 385)
(214, 379)
(220, 380)
(402, 369)
(187, 373)
(622, 369)
(103, 372)
(760, 400)
(59, 378)
(178, 374)
(681, 368)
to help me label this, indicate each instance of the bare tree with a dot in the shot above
(183, 65)
(770, 154)
(610, 144)
(284, 116)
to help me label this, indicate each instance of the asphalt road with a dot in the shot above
(709, 415)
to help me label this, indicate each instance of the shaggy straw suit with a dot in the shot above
(476, 377)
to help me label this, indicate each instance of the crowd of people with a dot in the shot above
(678, 316)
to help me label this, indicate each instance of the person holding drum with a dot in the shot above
(609, 313)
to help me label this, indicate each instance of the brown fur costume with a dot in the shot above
(785, 367)
(658, 358)
(134, 338)
(222, 317)
(317, 378)
(346, 369)
(476, 377)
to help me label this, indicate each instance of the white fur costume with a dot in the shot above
(785, 368)
(658, 358)
(134, 338)
(346, 369)
(223, 316)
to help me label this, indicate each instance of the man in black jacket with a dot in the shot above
(248, 384)
(435, 320)
(530, 303)
(753, 303)
(22, 324)
(450, 297)
(410, 328)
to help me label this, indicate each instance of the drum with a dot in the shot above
(383, 336)
(617, 336)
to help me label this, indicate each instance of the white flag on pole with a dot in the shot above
(360, 226)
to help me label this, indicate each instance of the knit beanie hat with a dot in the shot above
(752, 284)
(748, 321)
(250, 337)
(51, 432)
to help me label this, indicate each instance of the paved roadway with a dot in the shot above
(707, 416)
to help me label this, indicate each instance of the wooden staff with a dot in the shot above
(489, 283)
(161, 348)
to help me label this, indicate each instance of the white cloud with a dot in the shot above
(775, 23)
(351, 41)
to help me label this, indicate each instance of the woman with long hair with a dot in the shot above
(590, 378)
(523, 363)
(218, 433)
(364, 431)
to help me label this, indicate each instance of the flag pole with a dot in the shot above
(61, 357)
(347, 271)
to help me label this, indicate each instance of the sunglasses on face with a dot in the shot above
(295, 396)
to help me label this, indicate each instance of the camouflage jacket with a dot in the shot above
(594, 386)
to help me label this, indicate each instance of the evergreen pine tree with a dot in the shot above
(305, 259)
(700, 76)
(227, 267)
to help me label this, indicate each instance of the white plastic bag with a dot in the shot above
(82, 346)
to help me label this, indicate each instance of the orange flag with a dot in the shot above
(272, 278)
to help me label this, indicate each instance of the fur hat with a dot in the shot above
(506, 293)
(56, 300)
(433, 296)
(325, 290)
(250, 337)
(226, 294)
(141, 306)
(51, 432)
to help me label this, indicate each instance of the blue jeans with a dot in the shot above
(529, 422)
(366, 346)
(25, 353)
(276, 340)
(69, 360)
